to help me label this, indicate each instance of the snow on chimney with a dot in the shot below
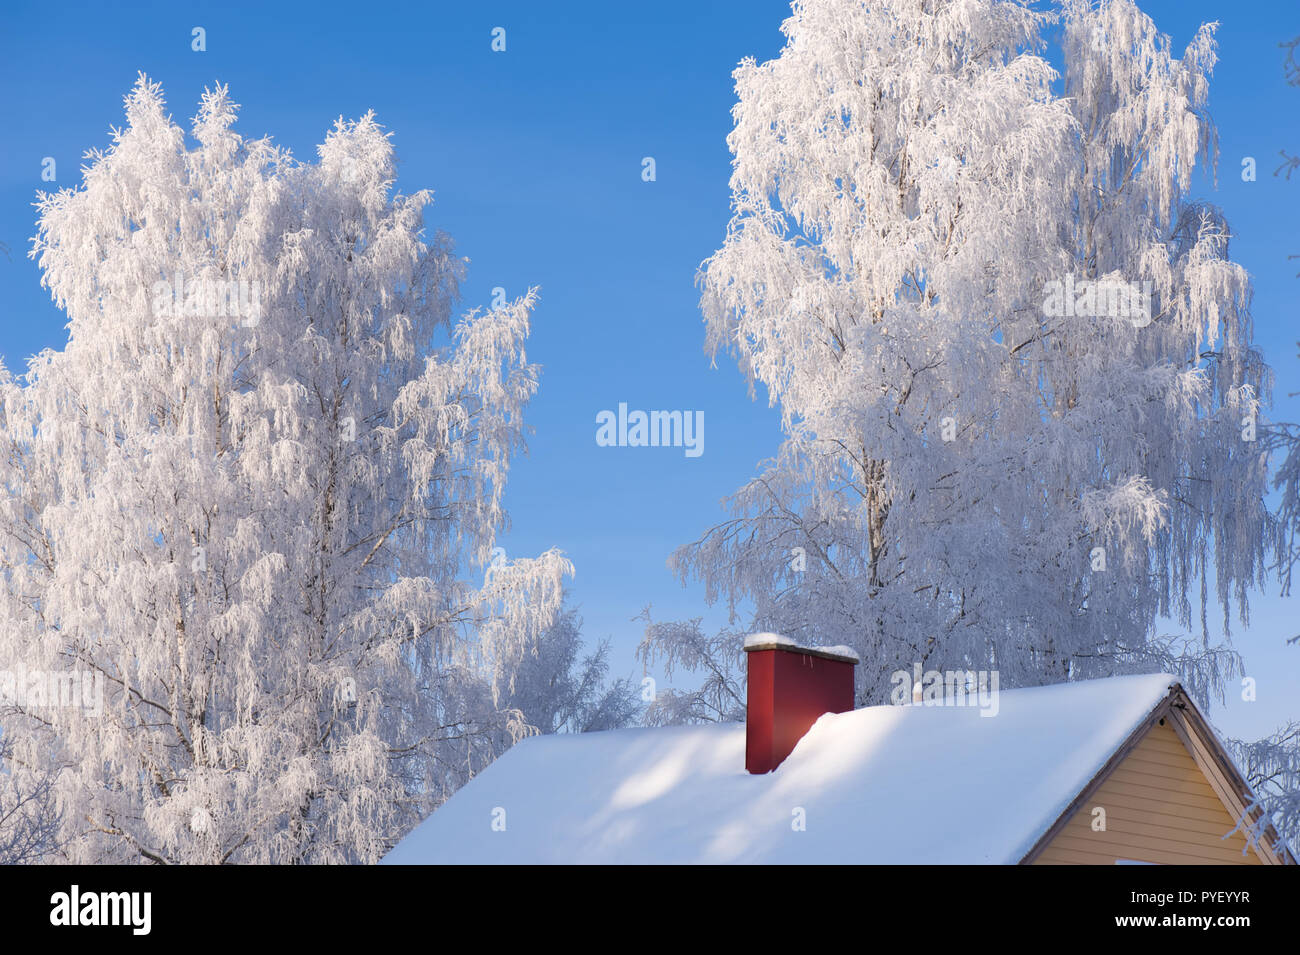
(790, 686)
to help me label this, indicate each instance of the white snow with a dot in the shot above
(762, 639)
(839, 650)
(885, 784)
(768, 639)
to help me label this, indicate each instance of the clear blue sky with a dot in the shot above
(535, 156)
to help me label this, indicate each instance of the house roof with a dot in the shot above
(883, 784)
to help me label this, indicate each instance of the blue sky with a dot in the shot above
(535, 157)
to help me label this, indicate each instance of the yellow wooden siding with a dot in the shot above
(1159, 808)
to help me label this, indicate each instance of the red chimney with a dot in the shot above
(789, 688)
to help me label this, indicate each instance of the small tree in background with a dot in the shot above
(682, 646)
(560, 689)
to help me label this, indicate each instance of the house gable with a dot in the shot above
(1158, 807)
(1170, 795)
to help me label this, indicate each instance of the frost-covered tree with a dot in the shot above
(1012, 356)
(242, 506)
(29, 813)
(1272, 767)
(717, 658)
(559, 688)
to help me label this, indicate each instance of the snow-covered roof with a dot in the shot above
(884, 784)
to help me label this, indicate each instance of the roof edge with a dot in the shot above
(1188, 719)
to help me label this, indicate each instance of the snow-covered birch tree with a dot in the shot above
(1012, 356)
(243, 505)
